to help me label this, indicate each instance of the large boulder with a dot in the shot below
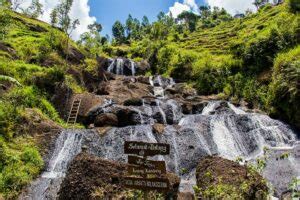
(126, 116)
(90, 177)
(133, 102)
(237, 182)
(182, 89)
(106, 119)
(193, 107)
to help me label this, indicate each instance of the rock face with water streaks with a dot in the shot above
(157, 110)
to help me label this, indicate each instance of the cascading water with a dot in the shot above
(67, 146)
(111, 66)
(221, 129)
(120, 64)
(132, 68)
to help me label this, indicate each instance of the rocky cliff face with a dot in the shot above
(156, 109)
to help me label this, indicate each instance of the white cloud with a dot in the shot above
(233, 6)
(192, 4)
(80, 10)
(178, 8)
(187, 5)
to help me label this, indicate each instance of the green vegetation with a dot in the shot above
(218, 189)
(255, 58)
(32, 63)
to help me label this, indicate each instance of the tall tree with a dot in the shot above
(205, 11)
(34, 10)
(54, 17)
(92, 40)
(118, 32)
(146, 27)
(260, 3)
(129, 26)
(62, 16)
(15, 4)
(190, 19)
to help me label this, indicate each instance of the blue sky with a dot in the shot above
(107, 12)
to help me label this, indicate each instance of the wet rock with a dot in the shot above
(103, 89)
(126, 116)
(142, 67)
(133, 102)
(88, 101)
(197, 108)
(158, 128)
(184, 90)
(193, 108)
(214, 170)
(160, 81)
(143, 79)
(106, 119)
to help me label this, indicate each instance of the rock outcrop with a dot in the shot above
(215, 172)
(90, 177)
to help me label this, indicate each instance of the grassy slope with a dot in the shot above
(219, 39)
(34, 42)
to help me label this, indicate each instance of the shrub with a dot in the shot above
(20, 164)
(294, 5)
(211, 72)
(182, 65)
(47, 80)
(31, 155)
(284, 95)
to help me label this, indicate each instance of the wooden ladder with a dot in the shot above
(74, 111)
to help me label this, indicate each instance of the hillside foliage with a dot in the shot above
(255, 59)
(238, 59)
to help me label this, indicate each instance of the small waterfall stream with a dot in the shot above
(117, 66)
(220, 129)
(68, 145)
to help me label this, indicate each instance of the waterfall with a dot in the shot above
(111, 66)
(176, 110)
(132, 68)
(221, 129)
(163, 114)
(68, 145)
(120, 65)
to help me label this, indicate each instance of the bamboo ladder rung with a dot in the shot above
(74, 111)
